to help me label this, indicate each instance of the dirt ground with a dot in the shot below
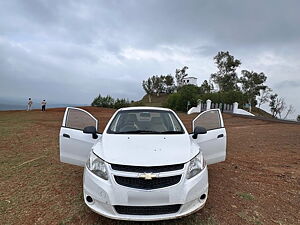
(259, 183)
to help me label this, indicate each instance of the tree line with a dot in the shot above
(110, 102)
(225, 85)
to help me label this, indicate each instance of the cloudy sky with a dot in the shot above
(69, 51)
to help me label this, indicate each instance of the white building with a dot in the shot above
(189, 80)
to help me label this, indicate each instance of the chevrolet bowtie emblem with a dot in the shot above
(147, 176)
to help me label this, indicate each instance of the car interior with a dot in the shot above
(147, 121)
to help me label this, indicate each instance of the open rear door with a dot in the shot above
(75, 145)
(213, 143)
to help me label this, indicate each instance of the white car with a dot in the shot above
(145, 165)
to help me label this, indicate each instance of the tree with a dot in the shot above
(96, 101)
(148, 86)
(106, 102)
(290, 110)
(180, 74)
(158, 85)
(252, 83)
(277, 105)
(169, 82)
(121, 102)
(109, 102)
(264, 96)
(226, 77)
(206, 87)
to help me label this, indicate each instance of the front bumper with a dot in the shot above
(106, 194)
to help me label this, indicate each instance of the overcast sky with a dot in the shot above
(69, 51)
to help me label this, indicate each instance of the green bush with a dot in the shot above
(179, 101)
(109, 102)
(172, 101)
(120, 103)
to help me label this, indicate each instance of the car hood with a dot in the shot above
(146, 150)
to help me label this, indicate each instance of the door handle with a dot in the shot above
(66, 135)
(220, 135)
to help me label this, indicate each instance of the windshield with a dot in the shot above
(145, 122)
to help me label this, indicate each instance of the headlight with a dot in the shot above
(196, 165)
(97, 166)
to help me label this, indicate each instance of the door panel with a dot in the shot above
(213, 143)
(75, 145)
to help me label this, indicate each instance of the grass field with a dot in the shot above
(259, 183)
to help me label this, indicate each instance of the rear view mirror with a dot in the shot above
(199, 130)
(91, 130)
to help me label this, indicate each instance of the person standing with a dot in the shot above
(43, 103)
(29, 104)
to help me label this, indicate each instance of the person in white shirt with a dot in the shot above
(29, 104)
(43, 103)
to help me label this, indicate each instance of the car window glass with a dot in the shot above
(78, 119)
(148, 121)
(209, 120)
(175, 123)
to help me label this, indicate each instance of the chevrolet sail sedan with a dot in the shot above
(145, 165)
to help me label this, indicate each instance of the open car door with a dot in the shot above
(213, 143)
(75, 145)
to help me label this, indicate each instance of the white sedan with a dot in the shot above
(145, 165)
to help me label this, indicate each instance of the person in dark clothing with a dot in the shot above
(43, 103)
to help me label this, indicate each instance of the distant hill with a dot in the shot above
(157, 101)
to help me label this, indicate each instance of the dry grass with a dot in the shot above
(35, 188)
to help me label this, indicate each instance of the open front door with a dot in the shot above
(213, 143)
(75, 145)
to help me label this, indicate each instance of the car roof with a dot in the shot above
(145, 108)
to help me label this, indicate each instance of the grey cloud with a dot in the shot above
(63, 45)
(205, 50)
(288, 84)
(73, 52)
(163, 22)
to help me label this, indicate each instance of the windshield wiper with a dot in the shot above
(172, 132)
(138, 132)
(149, 132)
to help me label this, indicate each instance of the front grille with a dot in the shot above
(147, 210)
(141, 183)
(146, 169)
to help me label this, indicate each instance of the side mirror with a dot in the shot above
(199, 130)
(91, 130)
